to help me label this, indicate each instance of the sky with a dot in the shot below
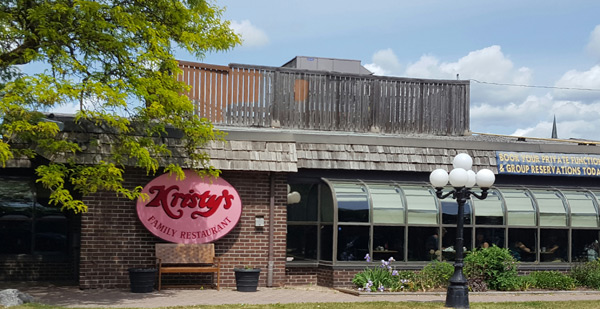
(528, 61)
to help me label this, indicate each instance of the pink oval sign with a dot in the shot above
(193, 210)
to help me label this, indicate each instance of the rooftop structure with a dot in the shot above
(327, 64)
(295, 98)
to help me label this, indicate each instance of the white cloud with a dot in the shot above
(533, 109)
(565, 130)
(541, 129)
(426, 67)
(593, 46)
(251, 35)
(488, 65)
(589, 79)
(500, 109)
(377, 70)
(385, 62)
(534, 116)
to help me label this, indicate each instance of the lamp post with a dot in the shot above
(462, 179)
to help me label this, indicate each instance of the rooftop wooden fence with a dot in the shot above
(258, 96)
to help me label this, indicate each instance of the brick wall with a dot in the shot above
(301, 275)
(32, 269)
(113, 239)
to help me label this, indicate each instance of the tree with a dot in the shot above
(115, 59)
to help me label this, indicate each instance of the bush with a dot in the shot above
(495, 266)
(385, 278)
(587, 274)
(404, 281)
(381, 278)
(514, 283)
(552, 280)
(434, 275)
(374, 279)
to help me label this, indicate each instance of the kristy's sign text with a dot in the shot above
(193, 210)
(548, 164)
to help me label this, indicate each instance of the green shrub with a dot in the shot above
(526, 282)
(495, 266)
(506, 282)
(587, 274)
(552, 280)
(372, 279)
(404, 281)
(381, 278)
(434, 275)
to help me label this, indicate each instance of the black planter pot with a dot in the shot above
(142, 280)
(246, 280)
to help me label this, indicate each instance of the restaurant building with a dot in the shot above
(330, 163)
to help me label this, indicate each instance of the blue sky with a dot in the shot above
(546, 43)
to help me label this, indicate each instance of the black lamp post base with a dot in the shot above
(457, 296)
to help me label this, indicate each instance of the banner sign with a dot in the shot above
(193, 210)
(548, 164)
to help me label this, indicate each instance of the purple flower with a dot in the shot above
(385, 264)
(391, 259)
(368, 258)
(381, 288)
(368, 286)
(395, 273)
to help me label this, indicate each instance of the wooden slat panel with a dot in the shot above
(185, 253)
(263, 96)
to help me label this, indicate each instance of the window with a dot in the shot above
(301, 242)
(353, 243)
(520, 207)
(421, 205)
(552, 208)
(388, 241)
(583, 209)
(585, 245)
(28, 225)
(303, 224)
(450, 211)
(489, 237)
(522, 243)
(423, 243)
(490, 210)
(449, 242)
(553, 245)
(306, 209)
(387, 203)
(326, 248)
(343, 220)
(352, 202)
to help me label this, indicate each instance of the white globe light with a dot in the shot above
(485, 178)
(293, 198)
(458, 177)
(462, 160)
(472, 179)
(438, 178)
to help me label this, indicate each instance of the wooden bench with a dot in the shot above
(187, 258)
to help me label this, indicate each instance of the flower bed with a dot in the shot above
(490, 268)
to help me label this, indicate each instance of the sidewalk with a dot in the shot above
(70, 296)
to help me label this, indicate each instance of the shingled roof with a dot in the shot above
(277, 150)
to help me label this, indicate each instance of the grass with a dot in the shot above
(377, 305)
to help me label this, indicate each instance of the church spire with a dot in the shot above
(554, 134)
